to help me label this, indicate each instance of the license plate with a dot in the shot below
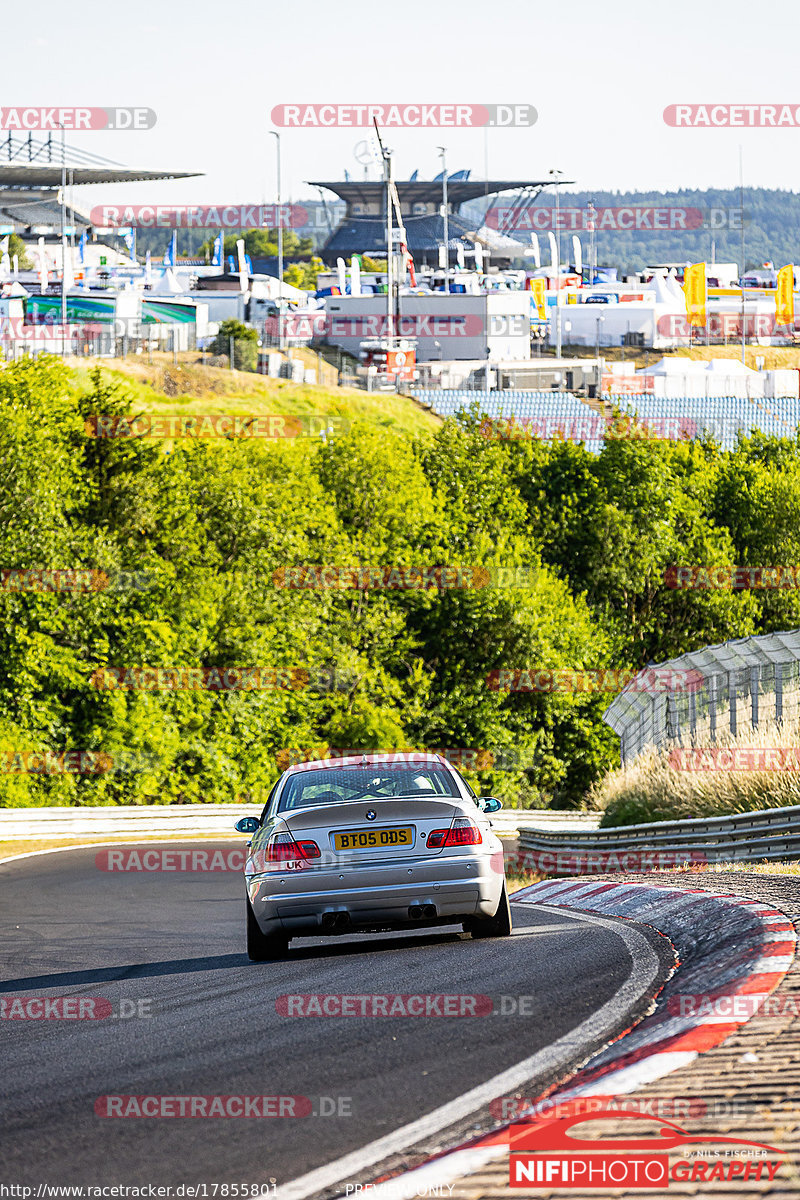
(367, 839)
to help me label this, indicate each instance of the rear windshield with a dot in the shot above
(334, 785)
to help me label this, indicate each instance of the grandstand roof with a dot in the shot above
(31, 164)
(429, 191)
(47, 176)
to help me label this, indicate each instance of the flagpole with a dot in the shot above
(277, 137)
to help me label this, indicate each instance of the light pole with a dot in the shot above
(277, 137)
(442, 153)
(555, 172)
(63, 243)
(592, 256)
(599, 321)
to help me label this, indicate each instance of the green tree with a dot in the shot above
(18, 247)
(243, 339)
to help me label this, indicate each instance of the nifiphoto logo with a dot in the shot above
(552, 1153)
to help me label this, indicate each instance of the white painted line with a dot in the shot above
(351, 1167)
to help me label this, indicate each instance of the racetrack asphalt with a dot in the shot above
(169, 947)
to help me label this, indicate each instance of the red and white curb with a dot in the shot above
(728, 946)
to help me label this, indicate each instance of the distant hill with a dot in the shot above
(771, 226)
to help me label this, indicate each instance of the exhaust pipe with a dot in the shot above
(415, 912)
(429, 911)
(335, 922)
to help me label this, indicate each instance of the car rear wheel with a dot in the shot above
(263, 946)
(497, 926)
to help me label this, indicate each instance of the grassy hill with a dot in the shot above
(189, 388)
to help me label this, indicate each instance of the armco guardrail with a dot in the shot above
(110, 821)
(188, 820)
(772, 834)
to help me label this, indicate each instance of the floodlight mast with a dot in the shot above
(386, 155)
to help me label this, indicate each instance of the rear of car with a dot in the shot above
(373, 843)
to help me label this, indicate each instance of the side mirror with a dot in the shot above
(489, 804)
(247, 825)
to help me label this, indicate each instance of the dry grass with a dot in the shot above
(744, 868)
(189, 388)
(521, 879)
(652, 789)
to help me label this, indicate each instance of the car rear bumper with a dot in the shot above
(296, 903)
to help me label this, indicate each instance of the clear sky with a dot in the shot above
(599, 74)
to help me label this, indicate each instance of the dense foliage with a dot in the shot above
(207, 524)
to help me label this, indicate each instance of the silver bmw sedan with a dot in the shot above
(370, 843)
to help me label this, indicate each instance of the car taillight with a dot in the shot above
(462, 832)
(282, 846)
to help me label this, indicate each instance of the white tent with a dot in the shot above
(678, 377)
(168, 285)
(268, 287)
